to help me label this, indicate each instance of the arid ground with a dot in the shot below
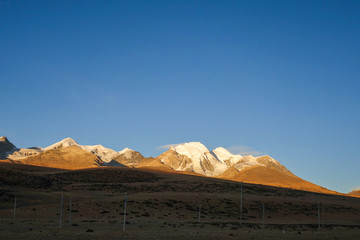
(162, 205)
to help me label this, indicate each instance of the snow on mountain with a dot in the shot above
(269, 162)
(129, 157)
(245, 162)
(192, 150)
(195, 157)
(225, 156)
(10, 151)
(20, 153)
(105, 154)
(127, 152)
(7, 145)
(70, 157)
(189, 157)
(63, 143)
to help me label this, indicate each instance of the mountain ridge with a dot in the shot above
(69, 157)
(187, 158)
(105, 154)
(195, 157)
(5, 147)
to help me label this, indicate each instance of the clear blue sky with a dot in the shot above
(275, 77)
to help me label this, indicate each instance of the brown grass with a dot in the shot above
(163, 205)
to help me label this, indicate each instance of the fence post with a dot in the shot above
(70, 208)
(124, 213)
(263, 215)
(241, 203)
(61, 210)
(319, 216)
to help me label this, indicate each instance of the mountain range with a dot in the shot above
(187, 158)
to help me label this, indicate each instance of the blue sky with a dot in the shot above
(270, 77)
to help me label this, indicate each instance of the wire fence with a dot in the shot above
(127, 214)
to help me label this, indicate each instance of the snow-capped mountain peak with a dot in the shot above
(193, 157)
(127, 153)
(192, 150)
(105, 154)
(125, 150)
(190, 157)
(66, 142)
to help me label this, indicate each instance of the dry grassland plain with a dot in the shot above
(162, 205)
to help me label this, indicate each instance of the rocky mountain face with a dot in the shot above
(114, 163)
(129, 157)
(20, 153)
(5, 147)
(199, 160)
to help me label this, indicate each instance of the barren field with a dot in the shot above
(163, 205)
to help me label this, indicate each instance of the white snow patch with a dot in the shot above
(223, 154)
(199, 154)
(126, 150)
(193, 150)
(63, 143)
(106, 154)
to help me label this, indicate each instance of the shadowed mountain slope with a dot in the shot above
(5, 147)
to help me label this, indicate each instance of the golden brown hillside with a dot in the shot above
(355, 193)
(272, 177)
(71, 157)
